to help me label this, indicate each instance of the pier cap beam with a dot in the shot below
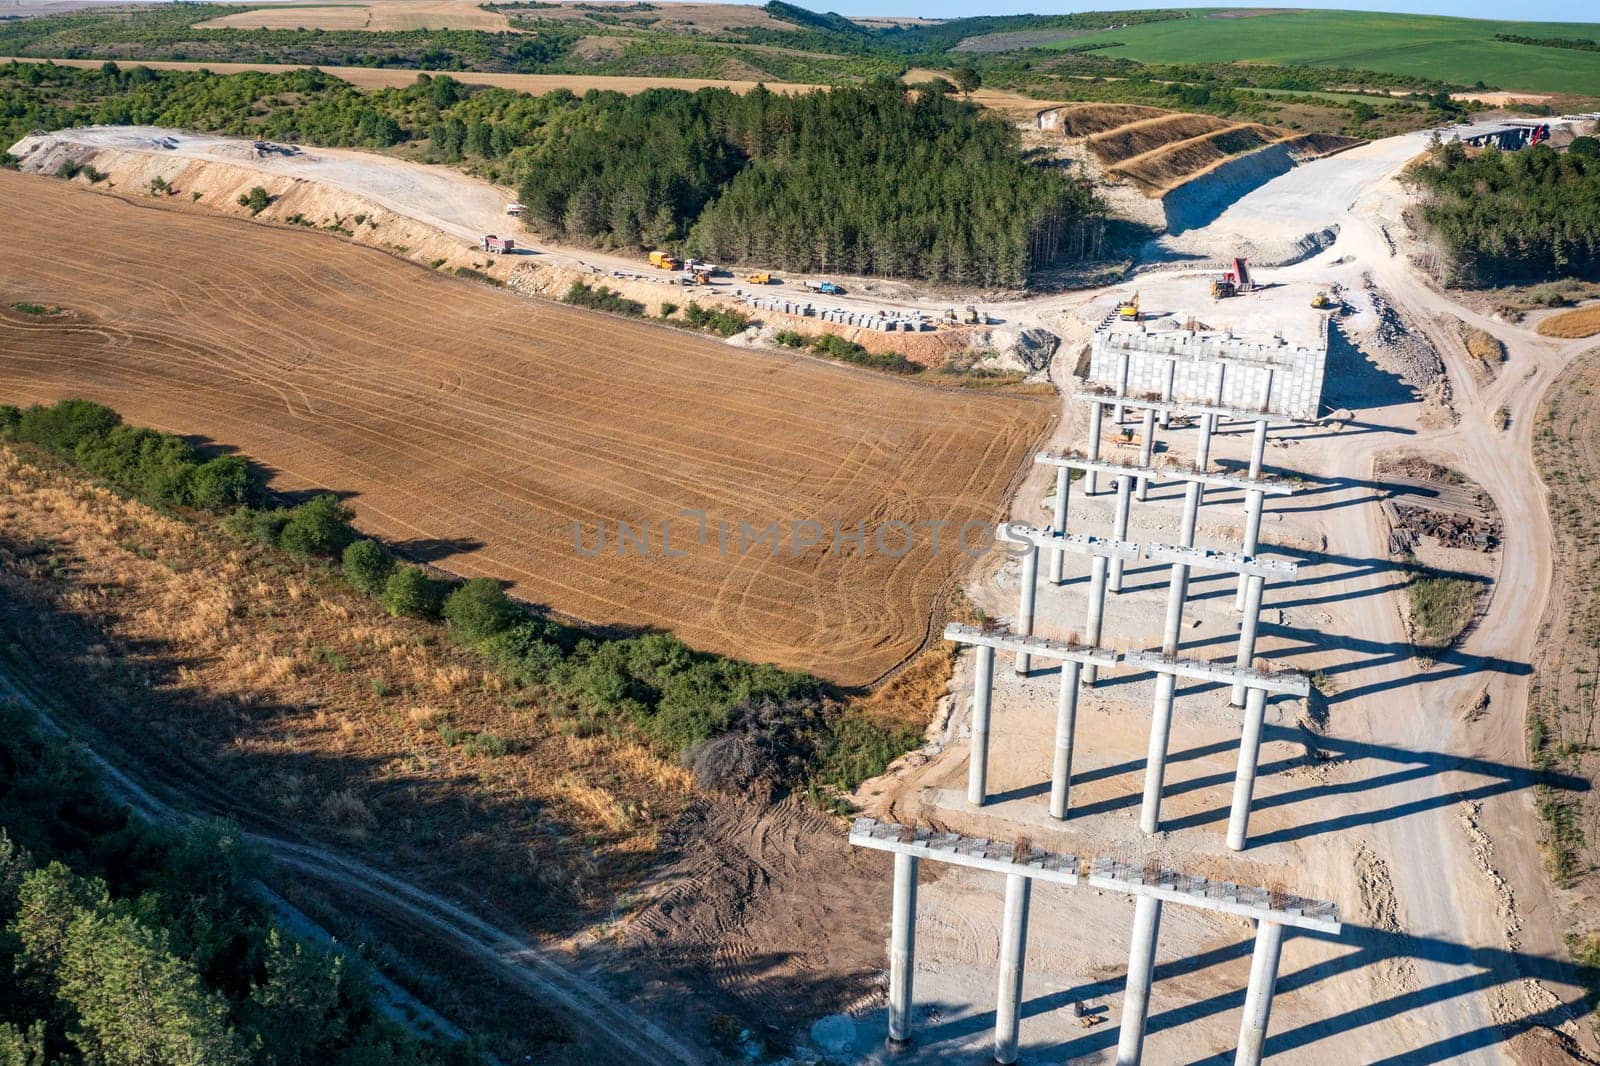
(1180, 407)
(1167, 472)
(1005, 640)
(1226, 897)
(979, 853)
(1225, 562)
(1077, 543)
(1288, 682)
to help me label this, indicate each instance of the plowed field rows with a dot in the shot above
(476, 427)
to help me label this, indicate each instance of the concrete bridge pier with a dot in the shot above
(1026, 589)
(1244, 779)
(1066, 730)
(902, 950)
(1141, 971)
(1258, 995)
(1097, 612)
(1255, 498)
(1252, 585)
(1120, 526)
(1013, 955)
(982, 692)
(1147, 449)
(1155, 763)
(1096, 413)
(1058, 557)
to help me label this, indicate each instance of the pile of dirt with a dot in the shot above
(1082, 120)
(1407, 351)
(1146, 135)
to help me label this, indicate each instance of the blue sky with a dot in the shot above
(1531, 10)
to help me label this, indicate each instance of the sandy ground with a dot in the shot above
(393, 78)
(384, 15)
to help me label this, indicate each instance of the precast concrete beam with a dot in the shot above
(1258, 994)
(1013, 957)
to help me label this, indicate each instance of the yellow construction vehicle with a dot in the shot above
(1128, 310)
(762, 278)
(1321, 302)
(664, 260)
(702, 276)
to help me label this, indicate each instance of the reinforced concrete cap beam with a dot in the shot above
(979, 853)
(1005, 640)
(1227, 562)
(1180, 407)
(1077, 543)
(1288, 682)
(1190, 890)
(1171, 472)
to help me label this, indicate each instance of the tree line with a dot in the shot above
(867, 179)
(1509, 217)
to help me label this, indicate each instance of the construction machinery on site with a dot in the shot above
(664, 261)
(1233, 282)
(492, 243)
(826, 288)
(760, 278)
(1128, 310)
(1321, 302)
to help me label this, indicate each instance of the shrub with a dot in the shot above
(265, 527)
(721, 322)
(320, 526)
(477, 610)
(489, 744)
(257, 200)
(668, 308)
(411, 593)
(220, 483)
(367, 566)
(61, 426)
(602, 299)
(789, 338)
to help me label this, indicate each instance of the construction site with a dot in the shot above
(1224, 753)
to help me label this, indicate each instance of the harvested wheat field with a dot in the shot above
(473, 427)
(1572, 325)
(381, 15)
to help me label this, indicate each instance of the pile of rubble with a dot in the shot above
(1450, 530)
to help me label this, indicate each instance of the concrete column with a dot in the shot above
(1252, 536)
(1122, 384)
(1258, 996)
(1097, 612)
(1244, 780)
(1217, 383)
(1177, 590)
(1147, 450)
(1058, 557)
(1202, 450)
(1141, 971)
(902, 950)
(1253, 586)
(1025, 594)
(1166, 391)
(1066, 728)
(1013, 955)
(1258, 448)
(1096, 413)
(1265, 397)
(982, 689)
(1191, 514)
(1120, 527)
(1155, 760)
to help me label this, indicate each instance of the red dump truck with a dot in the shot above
(491, 243)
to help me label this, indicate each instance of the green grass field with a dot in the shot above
(1462, 51)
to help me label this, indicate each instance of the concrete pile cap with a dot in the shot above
(1005, 640)
(1225, 896)
(979, 853)
(1078, 543)
(1289, 682)
(1228, 562)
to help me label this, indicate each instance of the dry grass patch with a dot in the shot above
(1572, 325)
(282, 698)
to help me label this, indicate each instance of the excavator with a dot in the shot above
(1128, 310)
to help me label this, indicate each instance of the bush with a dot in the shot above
(602, 299)
(318, 527)
(411, 593)
(721, 322)
(257, 200)
(477, 610)
(668, 308)
(221, 483)
(367, 566)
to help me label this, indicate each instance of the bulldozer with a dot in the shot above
(1128, 310)
(1321, 302)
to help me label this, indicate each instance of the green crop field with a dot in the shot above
(1462, 51)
